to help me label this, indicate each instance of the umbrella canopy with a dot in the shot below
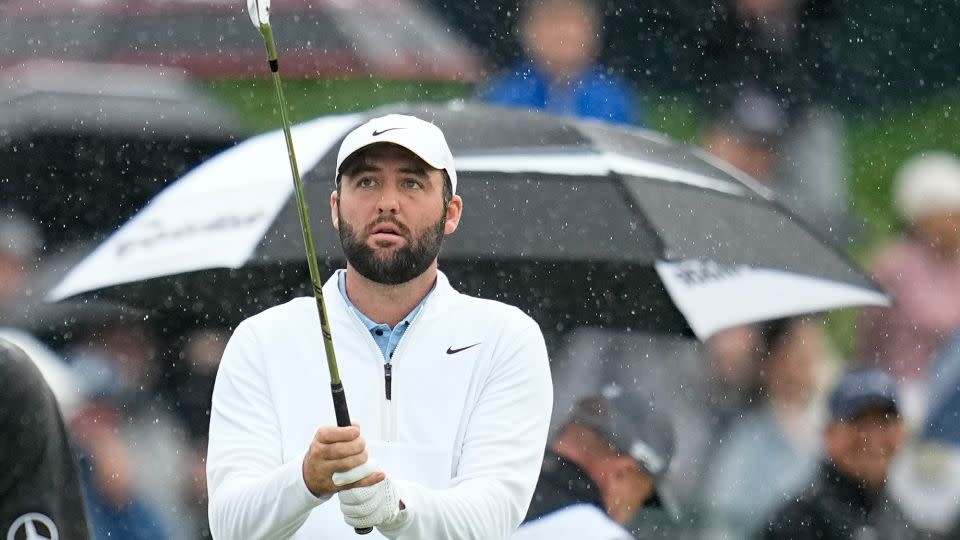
(580, 222)
(213, 39)
(109, 137)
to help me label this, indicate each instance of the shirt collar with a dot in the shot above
(367, 321)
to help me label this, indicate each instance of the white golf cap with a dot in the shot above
(418, 136)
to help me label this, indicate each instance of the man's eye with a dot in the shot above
(366, 182)
(412, 184)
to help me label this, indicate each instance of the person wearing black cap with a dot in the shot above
(847, 497)
(603, 466)
(40, 495)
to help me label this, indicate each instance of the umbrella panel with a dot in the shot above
(655, 148)
(472, 129)
(569, 251)
(628, 220)
(558, 295)
(505, 216)
(699, 224)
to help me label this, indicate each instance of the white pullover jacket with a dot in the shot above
(462, 434)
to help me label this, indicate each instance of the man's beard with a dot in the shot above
(404, 264)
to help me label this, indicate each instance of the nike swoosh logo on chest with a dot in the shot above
(451, 350)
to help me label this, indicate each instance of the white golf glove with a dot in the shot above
(374, 506)
(356, 474)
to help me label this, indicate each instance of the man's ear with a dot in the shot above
(334, 210)
(454, 211)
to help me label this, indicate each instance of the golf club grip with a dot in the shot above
(340, 405)
(343, 420)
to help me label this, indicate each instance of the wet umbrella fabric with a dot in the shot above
(108, 138)
(579, 222)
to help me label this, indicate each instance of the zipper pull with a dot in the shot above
(387, 378)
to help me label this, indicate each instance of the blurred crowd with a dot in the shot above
(765, 421)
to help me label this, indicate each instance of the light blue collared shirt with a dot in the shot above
(386, 338)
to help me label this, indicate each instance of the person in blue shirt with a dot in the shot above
(560, 74)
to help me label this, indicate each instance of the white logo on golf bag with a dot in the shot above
(33, 526)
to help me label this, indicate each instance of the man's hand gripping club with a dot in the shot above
(337, 462)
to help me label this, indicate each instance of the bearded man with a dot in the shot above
(451, 394)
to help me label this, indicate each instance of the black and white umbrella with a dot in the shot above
(579, 222)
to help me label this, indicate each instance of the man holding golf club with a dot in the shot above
(450, 395)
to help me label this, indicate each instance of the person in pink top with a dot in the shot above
(920, 269)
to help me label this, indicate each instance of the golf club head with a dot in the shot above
(259, 12)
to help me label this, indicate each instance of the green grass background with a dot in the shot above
(878, 141)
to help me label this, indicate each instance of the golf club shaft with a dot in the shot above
(303, 212)
(336, 387)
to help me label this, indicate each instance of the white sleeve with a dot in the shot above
(253, 494)
(502, 451)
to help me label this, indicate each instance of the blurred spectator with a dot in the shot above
(732, 359)
(607, 462)
(116, 509)
(670, 369)
(40, 494)
(20, 243)
(146, 445)
(769, 452)
(925, 478)
(561, 39)
(775, 49)
(943, 392)
(706, 387)
(927, 475)
(746, 135)
(754, 133)
(814, 168)
(192, 388)
(921, 270)
(772, 45)
(194, 375)
(847, 497)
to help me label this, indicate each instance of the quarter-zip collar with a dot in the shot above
(385, 337)
(393, 343)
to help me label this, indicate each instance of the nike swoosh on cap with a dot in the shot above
(451, 350)
(382, 131)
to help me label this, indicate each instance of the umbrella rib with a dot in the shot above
(619, 184)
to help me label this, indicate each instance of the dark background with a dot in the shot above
(862, 53)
